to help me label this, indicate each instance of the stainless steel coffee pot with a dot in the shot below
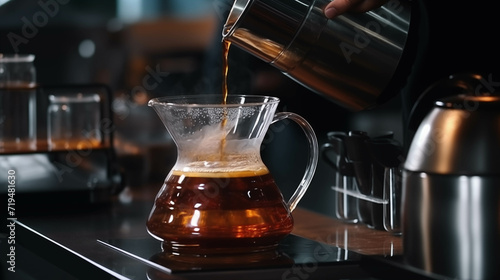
(451, 190)
(351, 59)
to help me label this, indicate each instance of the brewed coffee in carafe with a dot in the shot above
(220, 197)
(237, 210)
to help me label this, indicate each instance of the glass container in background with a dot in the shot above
(392, 197)
(17, 103)
(74, 121)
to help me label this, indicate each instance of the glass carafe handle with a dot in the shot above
(313, 155)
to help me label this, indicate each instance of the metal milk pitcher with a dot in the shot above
(350, 59)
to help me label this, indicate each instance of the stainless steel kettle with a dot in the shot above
(451, 190)
(352, 59)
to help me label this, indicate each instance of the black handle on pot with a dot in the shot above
(461, 83)
(335, 148)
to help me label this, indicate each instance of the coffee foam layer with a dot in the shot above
(221, 172)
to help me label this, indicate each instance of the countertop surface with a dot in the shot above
(353, 237)
(56, 238)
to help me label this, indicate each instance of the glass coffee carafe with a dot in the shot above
(219, 197)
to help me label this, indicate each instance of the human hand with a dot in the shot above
(338, 7)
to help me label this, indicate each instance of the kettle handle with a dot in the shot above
(334, 148)
(461, 83)
(313, 155)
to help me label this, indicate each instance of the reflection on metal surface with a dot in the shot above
(451, 224)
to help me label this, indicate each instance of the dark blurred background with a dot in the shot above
(143, 49)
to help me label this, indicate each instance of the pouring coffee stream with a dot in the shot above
(225, 68)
